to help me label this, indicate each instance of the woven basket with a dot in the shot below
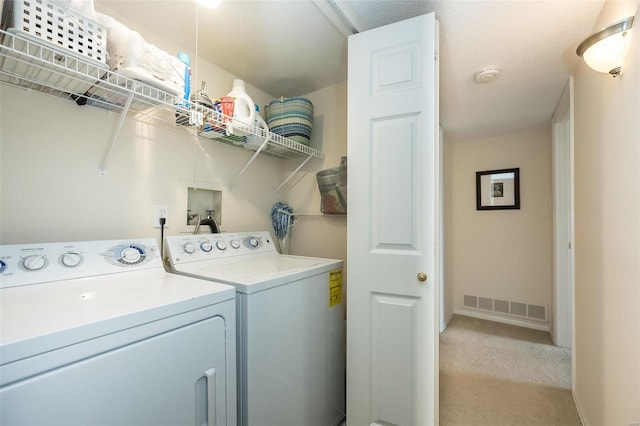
(291, 118)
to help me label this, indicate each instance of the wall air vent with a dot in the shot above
(501, 306)
(470, 301)
(536, 312)
(506, 307)
(519, 309)
(484, 303)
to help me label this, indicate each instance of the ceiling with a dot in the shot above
(294, 47)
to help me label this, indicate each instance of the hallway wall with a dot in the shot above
(499, 254)
(607, 235)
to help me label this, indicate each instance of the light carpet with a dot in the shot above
(494, 374)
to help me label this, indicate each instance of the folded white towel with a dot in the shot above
(129, 54)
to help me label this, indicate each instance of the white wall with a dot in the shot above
(607, 235)
(320, 235)
(51, 189)
(500, 254)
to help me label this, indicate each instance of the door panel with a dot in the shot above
(393, 228)
(396, 68)
(391, 357)
(392, 316)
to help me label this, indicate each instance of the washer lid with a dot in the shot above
(253, 273)
(43, 317)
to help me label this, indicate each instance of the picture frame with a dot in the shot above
(498, 189)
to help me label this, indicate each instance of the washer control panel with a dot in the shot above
(188, 248)
(23, 264)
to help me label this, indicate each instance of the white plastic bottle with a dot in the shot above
(244, 113)
(253, 142)
(182, 117)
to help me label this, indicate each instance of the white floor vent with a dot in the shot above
(518, 309)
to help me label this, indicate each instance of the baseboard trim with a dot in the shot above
(579, 408)
(443, 327)
(497, 318)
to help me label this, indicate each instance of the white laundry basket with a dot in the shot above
(58, 25)
(69, 49)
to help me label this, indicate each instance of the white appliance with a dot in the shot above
(290, 319)
(97, 333)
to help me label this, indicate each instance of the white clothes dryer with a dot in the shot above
(290, 322)
(97, 333)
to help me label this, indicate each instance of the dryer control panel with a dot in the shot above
(189, 248)
(23, 264)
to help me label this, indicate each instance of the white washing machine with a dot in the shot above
(290, 319)
(97, 333)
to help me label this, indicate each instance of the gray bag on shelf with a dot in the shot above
(332, 184)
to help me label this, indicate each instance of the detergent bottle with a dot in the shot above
(184, 58)
(253, 142)
(182, 117)
(244, 113)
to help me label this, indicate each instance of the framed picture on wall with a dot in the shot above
(498, 189)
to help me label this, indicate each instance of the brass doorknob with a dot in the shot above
(422, 276)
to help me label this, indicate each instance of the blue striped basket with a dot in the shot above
(291, 118)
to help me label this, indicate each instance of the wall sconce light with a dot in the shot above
(605, 50)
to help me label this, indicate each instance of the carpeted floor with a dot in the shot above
(494, 374)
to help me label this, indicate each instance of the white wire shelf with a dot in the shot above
(32, 64)
(225, 129)
(28, 62)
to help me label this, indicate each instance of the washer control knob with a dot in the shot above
(206, 246)
(71, 259)
(221, 245)
(3, 266)
(253, 242)
(235, 244)
(189, 248)
(130, 255)
(34, 262)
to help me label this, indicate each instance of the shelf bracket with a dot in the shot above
(251, 160)
(293, 173)
(123, 114)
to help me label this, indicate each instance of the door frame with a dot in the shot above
(562, 123)
(440, 224)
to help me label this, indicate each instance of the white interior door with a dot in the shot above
(392, 313)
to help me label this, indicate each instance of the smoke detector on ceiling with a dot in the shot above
(487, 75)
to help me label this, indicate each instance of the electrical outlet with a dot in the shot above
(158, 212)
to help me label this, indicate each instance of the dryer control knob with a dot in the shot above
(71, 259)
(206, 246)
(3, 266)
(34, 263)
(189, 248)
(235, 244)
(253, 242)
(221, 245)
